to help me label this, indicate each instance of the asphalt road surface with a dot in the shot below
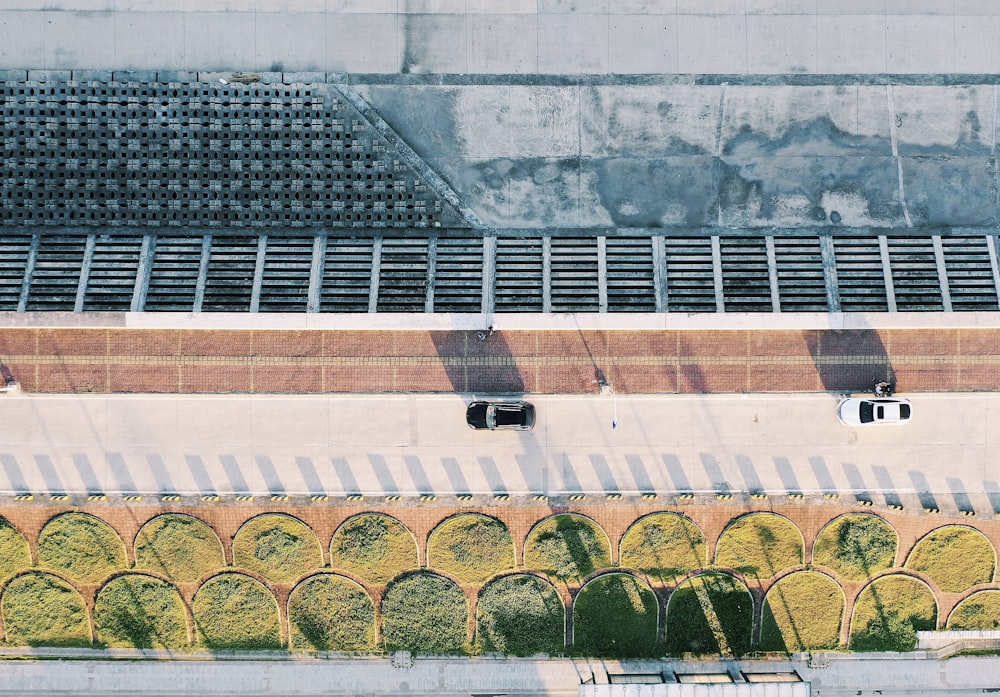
(419, 444)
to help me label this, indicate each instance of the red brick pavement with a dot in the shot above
(122, 360)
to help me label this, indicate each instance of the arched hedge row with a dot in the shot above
(669, 592)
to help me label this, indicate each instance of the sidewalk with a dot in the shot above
(543, 361)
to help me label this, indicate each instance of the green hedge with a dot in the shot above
(424, 612)
(374, 546)
(14, 553)
(43, 610)
(182, 548)
(614, 616)
(568, 547)
(84, 548)
(979, 611)
(760, 545)
(889, 613)
(520, 615)
(856, 546)
(802, 612)
(233, 611)
(955, 557)
(666, 546)
(470, 548)
(140, 611)
(278, 547)
(331, 613)
(710, 614)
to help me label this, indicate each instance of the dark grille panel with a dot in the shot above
(14, 251)
(574, 275)
(859, 274)
(970, 275)
(690, 276)
(458, 285)
(174, 275)
(57, 273)
(403, 281)
(285, 284)
(914, 275)
(801, 283)
(630, 274)
(229, 284)
(112, 274)
(347, 273)
(746, 285)
(519, 274)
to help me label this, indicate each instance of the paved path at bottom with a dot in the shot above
(843, 675)
(543, 361)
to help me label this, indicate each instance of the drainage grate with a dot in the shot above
(285, 282)
(914, 275)
(690, 274)
(859, 274)
(173, 277)
(57, 273)
(403, 277)
(519, 274)
(630, 274)
(801, 284)
(970, 276)
(458, 284)
(574, 274)
(111, 282)
(229, 284)
(14, 250)
(746, 285)
(347, 275)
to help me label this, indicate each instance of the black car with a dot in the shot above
(517, 416)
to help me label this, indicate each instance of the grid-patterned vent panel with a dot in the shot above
(57, 273)
(914, 275)
(285, 283)
(173, 276)
(630, 274)
(159, 154)
(111, 283)
(970, 274)
(347, 275)
(690, 274)
(403, 275)
(746, 285)
(859, 274)
(14, 250)
(519, 274)
(801, 283)
(458, 285)
(574, 275)
(231, 267)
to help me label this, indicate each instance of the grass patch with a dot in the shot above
(331, 613)
(889, 613)
(802, 612)
(182, 548)
(568, 547)
(520, 615)
(710, 614)
(14, 553)
(278, 547)
(43, 610)
(760, 545)
(856, 546)
(137, 611)
(233, 611)
(80, 546)
(614, 616)
(978, 611)
(955, 557)
(666, 546)
(470, 548)
(375, 547)
(425, 612)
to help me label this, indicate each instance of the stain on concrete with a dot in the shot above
(676, 191)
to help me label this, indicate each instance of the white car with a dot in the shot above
(865, 411)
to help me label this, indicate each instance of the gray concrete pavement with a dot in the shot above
(505, 36)
(419, 444)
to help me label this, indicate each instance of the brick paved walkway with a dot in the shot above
(140, 360)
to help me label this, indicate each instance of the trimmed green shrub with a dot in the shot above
(138, 611)
(889, 613)
(955, 557)
(375, 547)
(82, 547)
(802, 612)
(760, 545)
(233, 611)
(14, 553)
(425, 612)
(710, 614)
(979, 611)
(614, 616)
(43, 610)
(568, 547)
(520, 615)
(278, 547)
(856, 546)
(666, 546)
(182, 548)
(331, 613)
(470, 548)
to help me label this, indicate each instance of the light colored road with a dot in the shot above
(419, 444)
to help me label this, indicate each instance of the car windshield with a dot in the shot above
(866, 412)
